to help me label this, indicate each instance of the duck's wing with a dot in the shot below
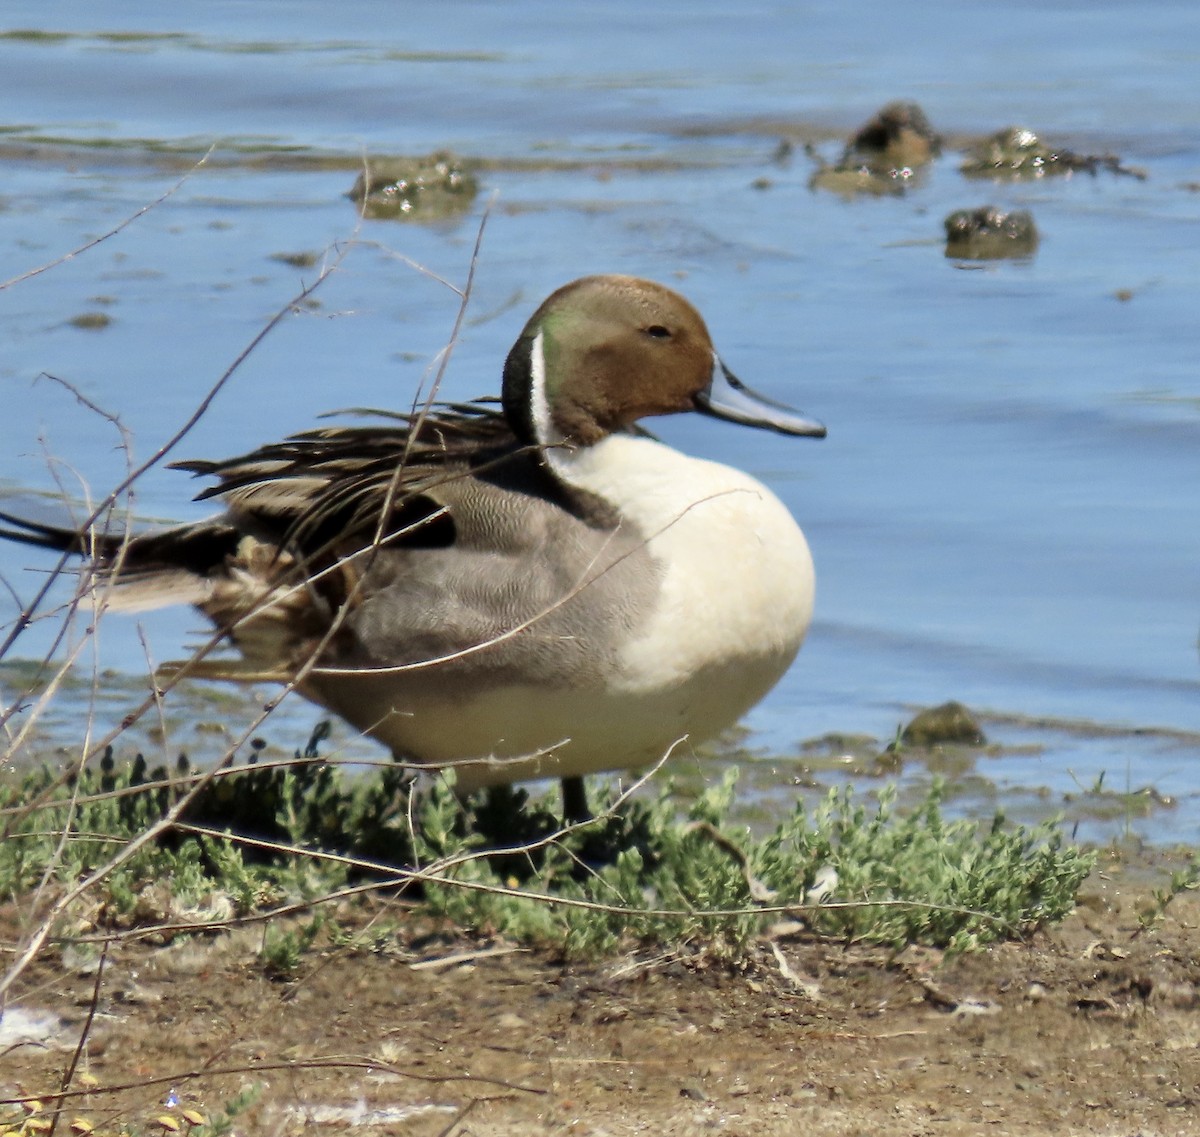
(322, 491)
(293, 507)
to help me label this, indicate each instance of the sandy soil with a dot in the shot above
(1092, 1028)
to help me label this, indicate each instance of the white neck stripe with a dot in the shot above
(544, 430)
(555, 451)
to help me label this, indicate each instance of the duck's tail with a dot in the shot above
(138, 571)
(84, 543)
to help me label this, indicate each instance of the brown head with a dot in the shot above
(605, 351)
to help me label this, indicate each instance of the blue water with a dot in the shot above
(1005, 509)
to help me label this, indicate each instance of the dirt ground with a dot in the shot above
(1092, 1028)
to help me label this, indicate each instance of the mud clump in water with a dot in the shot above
(988, 233)
(899, 135)
(415, 189)
(950, 724)
(884, 154)
(1016, 152)
(297, 260)
(91, 321)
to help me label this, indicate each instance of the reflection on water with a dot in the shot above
(1004, 511)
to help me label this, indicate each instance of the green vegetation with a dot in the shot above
(1180, 881)
(850, 871)
(640, 875)
(75, 827)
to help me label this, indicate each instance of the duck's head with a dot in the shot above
(605, 351)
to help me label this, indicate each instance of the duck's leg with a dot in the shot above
(574, 799)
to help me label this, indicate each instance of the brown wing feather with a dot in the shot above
(324, 487)
(328, 490)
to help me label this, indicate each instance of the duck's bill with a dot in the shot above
(729, 398)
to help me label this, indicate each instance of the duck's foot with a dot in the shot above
(574, 800)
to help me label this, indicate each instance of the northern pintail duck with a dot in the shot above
(538, 591)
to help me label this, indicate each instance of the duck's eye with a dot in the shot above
(658, 332)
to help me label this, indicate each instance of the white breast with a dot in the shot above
(738, 584)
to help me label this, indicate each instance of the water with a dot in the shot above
(1004, 511)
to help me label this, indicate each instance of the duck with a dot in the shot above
(515, 589)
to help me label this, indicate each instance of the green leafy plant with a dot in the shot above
(696, 881)
(1182, 880)
(918, 878)
(640, 874)
(284, 947)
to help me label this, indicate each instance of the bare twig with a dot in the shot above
(458, 1118)
(36, 938)
(444, 962)
(758, 891)
(112, 232)
(69, 1074)
(127, 482)
(186, 428)
(330, 1062)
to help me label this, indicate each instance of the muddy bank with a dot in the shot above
(1091, 1028)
